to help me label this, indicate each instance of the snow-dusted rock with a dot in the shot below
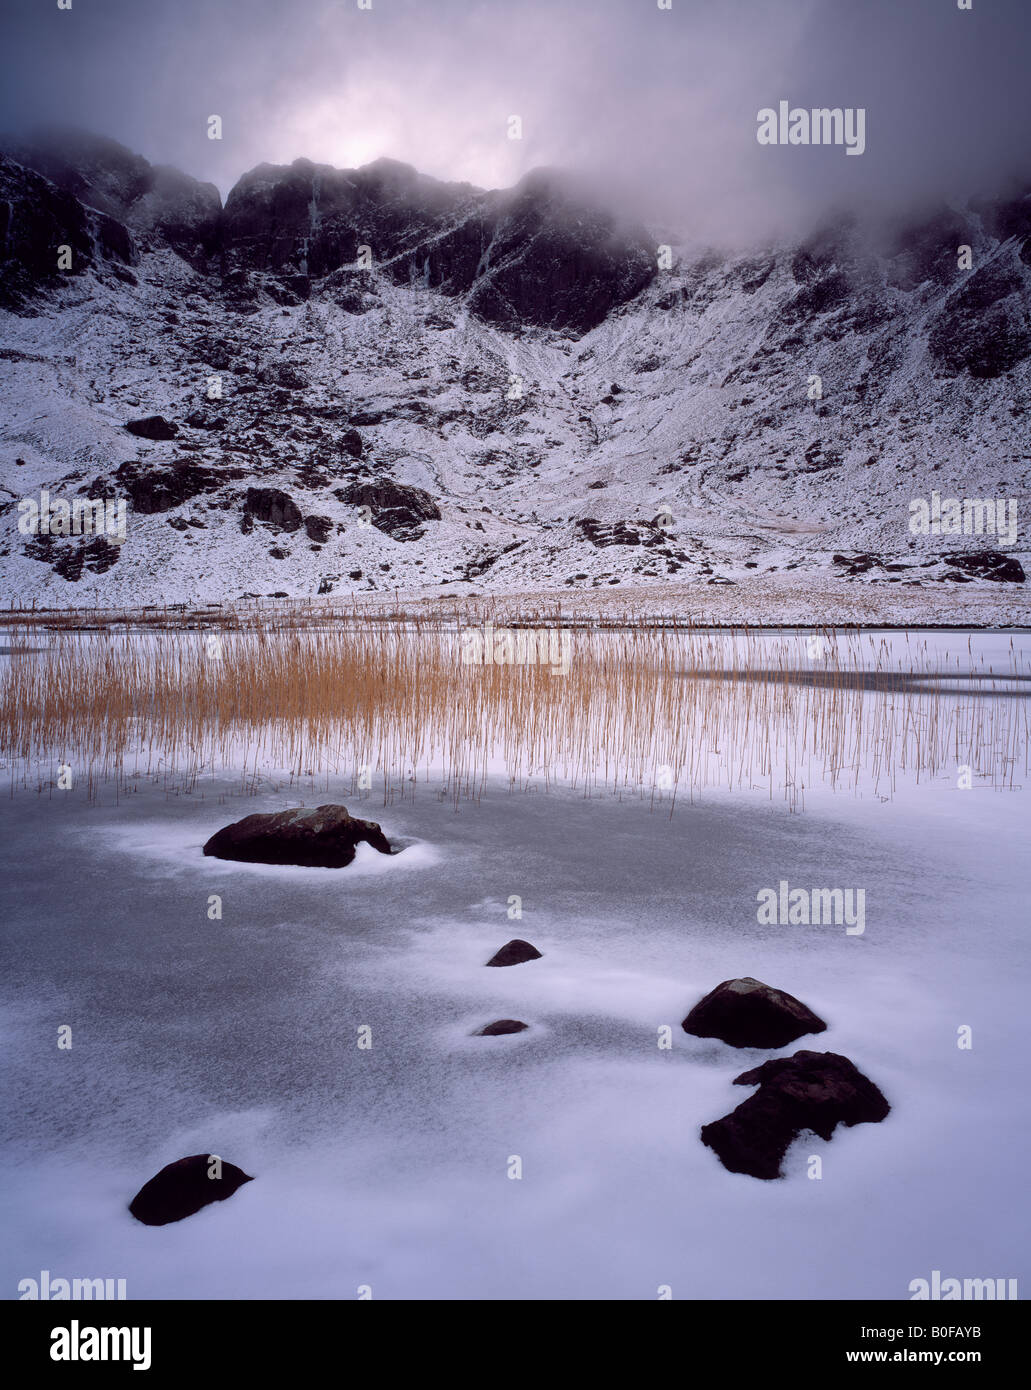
(153, 489)
(152, 427)
(37, 219)
(747, 1013)
(322, 837)
(811, 1090)
(272, 506)
(515, 952)
(156, 203)
(396, 510)
(184, 1187)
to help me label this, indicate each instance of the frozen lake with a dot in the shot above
(388, 1167)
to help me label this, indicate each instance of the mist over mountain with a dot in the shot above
(658, 107)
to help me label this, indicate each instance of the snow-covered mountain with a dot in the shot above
(520, 389)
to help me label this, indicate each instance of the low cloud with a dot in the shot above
(657, 107)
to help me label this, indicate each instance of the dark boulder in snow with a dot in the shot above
(272, 506)
(351, 441)
(183, 1187)
(319, 528)
(747, 1013)
(514, 953)
(397, 509)
(153, 490)
(152, 427)
(501, 1026)
(322, 837)
(988, 564)
(811, 1090)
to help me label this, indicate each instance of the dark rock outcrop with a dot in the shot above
(397, 509)
(603, 533)
(811, 1090)
(514, 953)
(387, 206)
(539, 254)
(155, 203)
(857, 564)
(160, 489)
(152, 427)
(70, 558)
(747, 1013)
(324, 837)
(557, 260)
(500, 1027)
(984, 327)
(988, 564)
(36, 220)
(97, 556)
(981, 564)
(837, 276)
(273, 507)
(184, 1187)
(925, 249)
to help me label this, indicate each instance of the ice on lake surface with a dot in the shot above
(389, 1167)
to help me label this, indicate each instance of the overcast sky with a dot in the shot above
(661, 105)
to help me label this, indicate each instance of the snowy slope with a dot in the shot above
(674, 438)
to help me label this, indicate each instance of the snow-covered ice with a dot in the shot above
(388, 1167)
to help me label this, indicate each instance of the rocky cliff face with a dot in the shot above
(155, 204)
(37, 220)
(530, 257)
(512, 392)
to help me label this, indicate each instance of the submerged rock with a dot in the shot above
(514, 953)
(747, 1013)
(323, 837)
(183, 1187)
(501, 1026)
(811, 1090)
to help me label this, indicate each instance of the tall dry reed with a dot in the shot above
(661, 711)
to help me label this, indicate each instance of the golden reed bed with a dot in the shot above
(660, 712)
